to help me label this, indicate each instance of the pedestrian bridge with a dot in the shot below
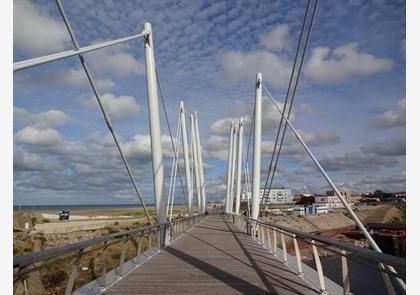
(215, 254)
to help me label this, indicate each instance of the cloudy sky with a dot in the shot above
(349, 107)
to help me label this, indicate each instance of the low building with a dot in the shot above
(331, 202)
(344, 192)
(276, 196)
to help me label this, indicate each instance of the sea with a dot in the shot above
(76, 207)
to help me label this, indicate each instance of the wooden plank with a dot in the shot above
(214, 257)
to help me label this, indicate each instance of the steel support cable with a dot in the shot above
(246, 176)
(25, 64)
(293, 93)
(249, 139)
(176, 165)
(169, 129)
(248, 149)
(292, 74)
(372, 242)
(173, 169)
(106, 117)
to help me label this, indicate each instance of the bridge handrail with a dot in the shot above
(23, 260)
(359, 251)
(158, 235)
(260, 231)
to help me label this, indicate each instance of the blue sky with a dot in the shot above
(350, 104)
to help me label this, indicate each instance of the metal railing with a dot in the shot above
(61, 265)
(267, 235)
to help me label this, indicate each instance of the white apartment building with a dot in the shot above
(277, 196)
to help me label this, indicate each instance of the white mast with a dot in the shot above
(239, 167)
(256, 161)
(200, 166)
(229, 168)
(154, 124)
(196, 169)
(186, 158)
(232, 184)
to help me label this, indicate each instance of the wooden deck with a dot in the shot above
(214, 257)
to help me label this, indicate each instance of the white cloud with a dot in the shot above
(215, 147)
(393, 147)
(356, 161)
(332, 66)
(391, 118)
(277, 39)
(50, 118)
(24, 161)
(113, 61)
(35, 31)
(236, 66)
(39, 137)
(306, 108)
(320, 139)
(270, 119)
(139, 147)
(27, 81)
(117, 107)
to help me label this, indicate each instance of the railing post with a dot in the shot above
(139, 246)
(259, 234)
(149, 236)
(283, 247)
(387, 281)
(268, 239)
(298, 259)
(274, 242)
(122, 257)
(74, 271)
(158, 232)
(262, 235)
(103, 266)
(345, 272)
(319, 269)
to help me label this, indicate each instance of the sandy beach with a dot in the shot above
(48, 222)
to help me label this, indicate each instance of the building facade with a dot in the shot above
(345, 193)
(332, 202)
(277, 196)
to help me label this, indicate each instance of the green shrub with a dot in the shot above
(53, 278)
(34, 221)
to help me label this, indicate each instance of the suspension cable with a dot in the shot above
(173, 169)
(98, 98)
(292, 74)
(169, 129)
(249, 140)
(294, 90)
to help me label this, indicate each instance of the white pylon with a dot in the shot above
(195, 159)
(256, 160)
(229, 169)
(232, 184)
(239, 167)
(185, 147)
(200, 166)
(154, 124)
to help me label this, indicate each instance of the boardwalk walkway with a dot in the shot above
(214, 257)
